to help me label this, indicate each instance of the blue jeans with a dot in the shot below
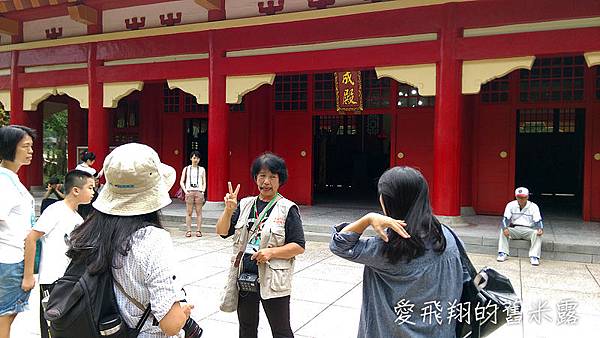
(12, 298)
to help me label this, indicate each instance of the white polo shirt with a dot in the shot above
(57, 222)
(16, 215)
(528, 216)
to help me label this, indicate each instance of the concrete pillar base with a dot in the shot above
(453, 221)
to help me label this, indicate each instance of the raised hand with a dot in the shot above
(231, 197)
(381, 222)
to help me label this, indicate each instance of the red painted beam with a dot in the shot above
(537, 43)
(5, 60)
(188, 43)
(350, 58)
(153, 71)
(4, 82)
(53, 55)
(389, 23)
(53, 78)
(496, 13)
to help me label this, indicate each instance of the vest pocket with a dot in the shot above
(281, 274)
(277, 237)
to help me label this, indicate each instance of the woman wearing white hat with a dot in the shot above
(126, 235)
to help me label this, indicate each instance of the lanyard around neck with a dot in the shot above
(260, 218)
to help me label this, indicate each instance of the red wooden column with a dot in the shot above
(98, 118)
(16, 94)
(447, 126)
(74, 133)
(218, 126)
(17, 115)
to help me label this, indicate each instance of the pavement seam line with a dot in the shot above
(327, 307)
(594, 277)
(522, 299)
(315, 263)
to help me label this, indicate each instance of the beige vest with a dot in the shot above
(276, 277)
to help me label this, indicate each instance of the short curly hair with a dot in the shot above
(273, 163)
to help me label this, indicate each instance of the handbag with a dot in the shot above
(229, 298)
(486, 289)
(180, 195)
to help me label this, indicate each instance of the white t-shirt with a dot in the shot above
(194, 176)
(16, 216)
(526, 217)
(57, 222)
(90, 170)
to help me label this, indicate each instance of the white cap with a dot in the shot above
(137, 182)
(521, 192)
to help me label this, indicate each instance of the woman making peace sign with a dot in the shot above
(268, 230)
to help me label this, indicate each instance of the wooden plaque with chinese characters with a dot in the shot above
(348, 91)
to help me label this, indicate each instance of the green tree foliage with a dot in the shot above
(55, 145)
(4, 117)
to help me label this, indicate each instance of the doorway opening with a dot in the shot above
(350, 152)
(196, 139)
(549, 158)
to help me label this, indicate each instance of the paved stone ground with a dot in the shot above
(326, 295)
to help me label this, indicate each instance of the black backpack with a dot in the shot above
(82, 305)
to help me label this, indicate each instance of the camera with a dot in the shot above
(192, 329)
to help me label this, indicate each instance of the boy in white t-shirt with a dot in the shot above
(54, 228)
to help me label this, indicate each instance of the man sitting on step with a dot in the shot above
(522, 220)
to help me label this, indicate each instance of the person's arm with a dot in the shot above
(159, 278)
(175, 319)
(346, 242)
(182, 179)
(59, 193)
(287, 251)
(505, 222)
(28, 280)
(379, 223)
(224, 222)
(49, 190)
(203, 181)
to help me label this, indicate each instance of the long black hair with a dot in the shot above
(405, 195)
(102, 236)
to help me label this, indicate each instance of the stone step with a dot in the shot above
(481, 244)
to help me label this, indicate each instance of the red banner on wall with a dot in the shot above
(348, 91)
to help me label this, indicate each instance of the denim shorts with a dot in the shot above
(12, 298)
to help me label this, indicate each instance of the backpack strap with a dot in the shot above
(139, 305)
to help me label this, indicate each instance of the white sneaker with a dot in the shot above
(502, 257)
(534, 261)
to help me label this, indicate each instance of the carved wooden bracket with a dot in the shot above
(82, 13)
(320, 4)
(270, 8)
(54, 33)
(170, 19)
(9, 26)
(209, 4)
(135, 23)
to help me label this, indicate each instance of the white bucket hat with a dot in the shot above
(137, 182)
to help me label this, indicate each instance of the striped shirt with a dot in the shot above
(147, 275)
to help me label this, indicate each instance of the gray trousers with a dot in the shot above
(521, 232)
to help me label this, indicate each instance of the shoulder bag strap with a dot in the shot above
(464, 259)
(139, 305)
